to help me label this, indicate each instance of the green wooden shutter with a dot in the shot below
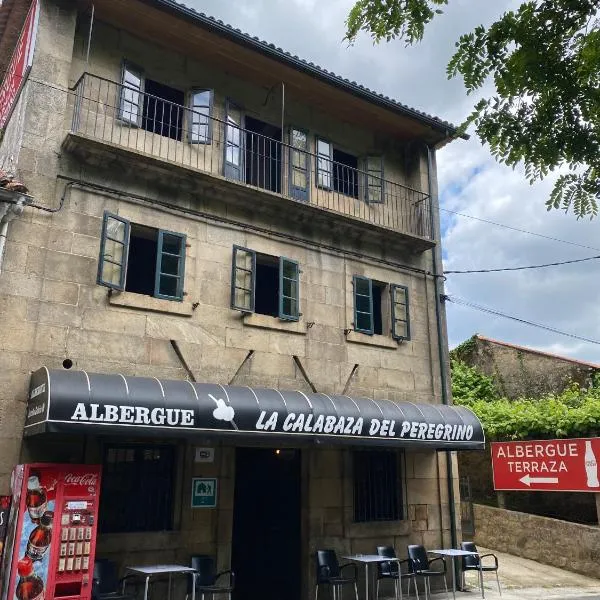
(170, 266)
(363, 304)
(400, 312)
(243, 279)
(289, 289)
(114, 251)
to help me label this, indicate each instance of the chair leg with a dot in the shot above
(356, 590)
(446, 586)
(377, 589)
(416, 589)
(498, 582)
(481, 583)
(317, 592)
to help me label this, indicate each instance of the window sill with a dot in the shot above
(141, 302)
(268, 322)
(381, 341)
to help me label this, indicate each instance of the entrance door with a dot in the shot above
(266, 554)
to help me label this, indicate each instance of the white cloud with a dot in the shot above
(470, 181)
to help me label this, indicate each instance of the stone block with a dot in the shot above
(179, 329)
(115, 321)
(60, 291)
(364, 355)
(327, 493)
(79, 223)
(335, 297)
(287, 344)
(91, 204)
(325, 464)
(425, 465)
(392, 378)
(60, 240)
(21, 284)
(17, 337)
(86, 245)
(326, 333)
(323, 351)
(279, 365)
(421, 491)
(56, 314)
(163, 353)
(249, 339)
(15, 257)
(50, 339)
(323, 314)
(12, 308)
(115, 347)
(213, 293)
(69, 267)
(324, 374)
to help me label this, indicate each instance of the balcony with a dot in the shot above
(126, 118)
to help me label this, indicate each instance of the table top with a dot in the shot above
(453, 552)
(370, 558)
(157, 569)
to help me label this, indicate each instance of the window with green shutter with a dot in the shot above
(114, 251)
(363, 305)
(400, 312)
(289, 289)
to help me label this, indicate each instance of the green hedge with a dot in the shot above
(575, 412)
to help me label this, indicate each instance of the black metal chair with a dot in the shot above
(106, 584)
(393, 570)
(421, 566)
(329, 572)
(473, 563)
(206, 578)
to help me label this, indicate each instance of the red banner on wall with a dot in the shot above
(569, 465)
(20, 64)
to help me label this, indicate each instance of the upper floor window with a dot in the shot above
(324, 164)
(299, 164)
(374, 314)
(141, 259)
(374, 186)
(265, 284)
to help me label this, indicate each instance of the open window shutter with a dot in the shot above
(400, 312)
(170, 266)
(131, 100)
(289, 289)
(243, 279)
(373, 175)
(114, 252)
(363, 304)
(200, 116)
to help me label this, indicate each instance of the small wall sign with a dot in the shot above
(206, 455)
(204, 492)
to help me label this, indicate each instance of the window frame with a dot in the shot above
(318, 169)
(180, 267)
(139, 72)
(394, 287)
(102, 258)
(252, 289)
(192, 109)
(355, 280)
(396, 484)
(367, 175)
(296, 192)
(283, 315)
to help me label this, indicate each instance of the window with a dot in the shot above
(233, 142)
(374, 190)
(324, 164)
(374, 315)
(345, 173)
(140, 259)
(299, 164)
(200, 126)
(130, 109)
(267, 285)
(378, 488)
(137, 489)
(149, 104)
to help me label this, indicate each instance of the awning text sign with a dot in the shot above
(550, 465)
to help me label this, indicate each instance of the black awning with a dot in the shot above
(81, 402)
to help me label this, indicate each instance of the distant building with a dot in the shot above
(520, 371)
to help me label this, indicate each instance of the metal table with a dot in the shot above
(453, 553)
(149, 571)
(369, 559)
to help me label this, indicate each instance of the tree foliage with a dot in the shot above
(544, 61)
(574, 412)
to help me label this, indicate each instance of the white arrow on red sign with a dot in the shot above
(529, 480)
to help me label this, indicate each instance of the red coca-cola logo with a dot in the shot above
(89, 479)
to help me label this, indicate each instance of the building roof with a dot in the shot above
(448, 130)
(535, 351)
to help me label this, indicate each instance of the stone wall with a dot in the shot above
(550, 541)
(524, 372)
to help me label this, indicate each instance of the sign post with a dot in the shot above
(568, 465)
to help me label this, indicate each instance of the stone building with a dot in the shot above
(203, 207)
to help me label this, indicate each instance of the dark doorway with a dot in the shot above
(267, 285)
(263, 155)
(163, 109)
(141, 268)
(266, 553)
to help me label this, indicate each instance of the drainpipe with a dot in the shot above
(441, 347)
(8, 212)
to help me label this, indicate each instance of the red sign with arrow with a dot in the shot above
(569, 465)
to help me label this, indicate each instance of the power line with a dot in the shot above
(497, 313)
(554, 264)
(541, 235)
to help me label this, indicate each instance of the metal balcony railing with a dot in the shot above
(144, 123)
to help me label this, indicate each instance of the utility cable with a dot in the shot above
(553, 264)
(541, 235)
(497, 313)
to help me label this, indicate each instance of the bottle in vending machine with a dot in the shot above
(591, 466)
(36, 499)
(40, 538)
(30, 586)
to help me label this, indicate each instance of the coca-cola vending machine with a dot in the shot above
(51, 538)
